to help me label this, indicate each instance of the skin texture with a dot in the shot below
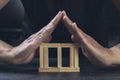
(95, 52)
(25, 52)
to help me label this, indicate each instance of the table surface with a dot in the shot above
(60, 76)
(30, 72)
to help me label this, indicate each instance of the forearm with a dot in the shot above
(91, 48)
(4, 51)
(21, 53)
(24, 52)
(97, 52)
(16, 55)
(116, 54)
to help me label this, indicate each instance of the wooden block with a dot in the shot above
(41, 57)
(46, 56)
(68, 69)
(76, 57)
(59, 56)
(50, 69)
(72, 57)
(50, 45)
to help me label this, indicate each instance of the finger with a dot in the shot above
(76, 40)
(78, 34)
(54, 22)
(76, 31)
(73, 38)
(67, 22)
(65, 14)
(56, 19)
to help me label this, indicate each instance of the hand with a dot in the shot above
(91, 49)
(44, 35)
(24, 53)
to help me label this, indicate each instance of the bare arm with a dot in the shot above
(95, 52)
(116, 54)
(24, 52)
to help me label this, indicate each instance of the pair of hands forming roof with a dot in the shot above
(95, 52)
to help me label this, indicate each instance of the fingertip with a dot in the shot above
(64, 18)
(72, 37)
(66, 21)
(74, 25)
(56, 19)
(64, 12)
(59, 12)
